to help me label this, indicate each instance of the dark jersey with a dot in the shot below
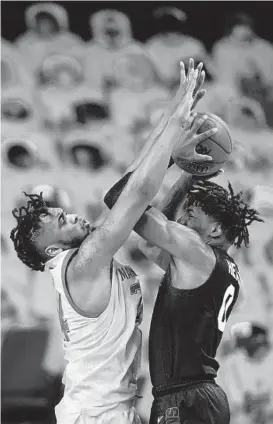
(187, 325)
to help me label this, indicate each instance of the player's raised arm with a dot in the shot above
(159, 216)
(166, 210)
(98, 248)
(198, 94)
(174, 107)
(154, 226)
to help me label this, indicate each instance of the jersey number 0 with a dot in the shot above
(223, 313)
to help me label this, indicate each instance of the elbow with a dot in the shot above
(145, 248)
(143, 245)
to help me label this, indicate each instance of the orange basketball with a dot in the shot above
(218, 146)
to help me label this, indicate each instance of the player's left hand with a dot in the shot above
(198, 92)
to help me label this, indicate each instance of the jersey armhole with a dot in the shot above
(64, 268)
(206, 285)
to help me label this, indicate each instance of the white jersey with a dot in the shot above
(103, 354)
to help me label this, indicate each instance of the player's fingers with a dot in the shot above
(198, 182)
(182, 73)
(197, 186)
(203, 136)
(198, 124)
(198, 97)
(199, 69)
(197, 189)
(191, 119)
(200, 78)
(186, 124)
(191, 66)
(192, 82)
(202, 158)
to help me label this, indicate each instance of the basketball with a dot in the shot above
(218, 146)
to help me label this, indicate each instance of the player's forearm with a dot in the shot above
(156, 132)
(175, 196)
(150, 173)
(113, 194)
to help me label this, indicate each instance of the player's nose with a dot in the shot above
(73, 218)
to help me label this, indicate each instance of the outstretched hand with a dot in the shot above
(197, 94)
(190, 138)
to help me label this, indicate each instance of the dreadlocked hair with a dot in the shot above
(23, 235)
(228, 209)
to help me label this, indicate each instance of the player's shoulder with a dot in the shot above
(191, 242)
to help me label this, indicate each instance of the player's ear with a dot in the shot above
(216, 230)
(53, 250)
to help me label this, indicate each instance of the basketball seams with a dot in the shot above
(219, 145)
(223, 125)
(219, 153)
(185, 162)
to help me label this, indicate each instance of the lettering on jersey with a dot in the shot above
(135, 288)
(126, 272)
(233, 271)
(63, 322)
(139, 316)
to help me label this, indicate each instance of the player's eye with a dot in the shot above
(61, 220)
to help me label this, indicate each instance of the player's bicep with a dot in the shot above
(172, 237)
(155, 254)
(98, 249)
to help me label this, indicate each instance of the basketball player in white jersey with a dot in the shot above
(99, 299)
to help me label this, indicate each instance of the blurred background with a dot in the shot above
(82, 84)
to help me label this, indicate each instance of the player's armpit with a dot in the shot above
(155, 254)
(98, 249)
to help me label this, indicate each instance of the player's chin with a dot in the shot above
(85, 230)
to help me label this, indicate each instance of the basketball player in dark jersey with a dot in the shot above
(188, 236)
(189, 239)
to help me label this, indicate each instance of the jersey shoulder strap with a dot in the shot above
(58, 266)
(226, 271)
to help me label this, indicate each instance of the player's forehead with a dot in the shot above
(193, 209)
(51, 212)
(50, 215)
(197, 211)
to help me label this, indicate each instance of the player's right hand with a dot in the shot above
(190, 138)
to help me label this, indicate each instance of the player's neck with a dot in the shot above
(220, 244)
